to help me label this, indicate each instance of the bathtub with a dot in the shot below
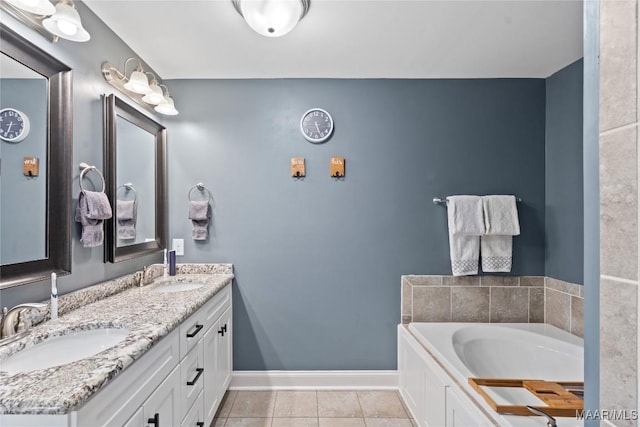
(447, 354)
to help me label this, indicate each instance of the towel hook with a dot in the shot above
(84, 168)
(200, 187)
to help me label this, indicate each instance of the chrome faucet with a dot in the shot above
(551, 422)
(11, 318)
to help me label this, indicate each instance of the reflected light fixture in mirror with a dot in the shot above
(137, 87)
(59, 21)
(272, 18)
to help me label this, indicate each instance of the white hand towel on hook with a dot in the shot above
(501, 223)
(464, 215)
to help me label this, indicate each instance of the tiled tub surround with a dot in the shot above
(148, 315)
(492, 299)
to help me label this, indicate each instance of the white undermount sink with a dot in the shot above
(60, 350)
(177, 287)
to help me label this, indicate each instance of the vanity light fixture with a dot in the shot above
(37, 7)
(272, 18)
(66, 23)
(167, 106)
(137, 87)
(53, 22)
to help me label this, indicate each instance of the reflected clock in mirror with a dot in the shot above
(135, 168)
(35, 121)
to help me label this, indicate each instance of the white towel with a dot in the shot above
(464, 214)
(501, 223)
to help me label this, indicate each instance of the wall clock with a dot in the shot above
(14, 125)
(316, 125)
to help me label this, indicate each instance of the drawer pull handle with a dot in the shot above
(155, 420)
(197, 329)
(200, 424)
(223, 330)
(195, 380)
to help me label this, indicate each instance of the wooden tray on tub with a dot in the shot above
(562, 398)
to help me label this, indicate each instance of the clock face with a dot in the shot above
(316, 125)
(14, 125)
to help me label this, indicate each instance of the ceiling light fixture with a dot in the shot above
(137, 87)
(272, 18)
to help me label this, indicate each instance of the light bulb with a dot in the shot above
(67, 28)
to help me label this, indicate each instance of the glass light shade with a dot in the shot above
(66, 23)
(156, 96)
(37, 7)
(272, 18)
(167, 107)
(138, 83)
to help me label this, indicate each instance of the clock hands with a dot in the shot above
(11, 124)
(316, 123)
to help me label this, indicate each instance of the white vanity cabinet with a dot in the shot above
(180, 381)
(432, 396)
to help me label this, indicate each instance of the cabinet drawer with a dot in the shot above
(194, 328)
(191, 377)
(195, 417)
(126, 393)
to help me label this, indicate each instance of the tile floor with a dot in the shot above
(312, 409)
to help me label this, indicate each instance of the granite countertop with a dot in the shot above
(148, 315)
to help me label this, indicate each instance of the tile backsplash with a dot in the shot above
(494, 299)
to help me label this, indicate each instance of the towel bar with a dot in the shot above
(443, 200)
(84, 168)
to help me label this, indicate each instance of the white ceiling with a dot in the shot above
(353, 39)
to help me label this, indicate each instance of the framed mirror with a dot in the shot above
(135, 155)
(36, 153)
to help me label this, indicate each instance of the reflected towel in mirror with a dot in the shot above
(126, 216)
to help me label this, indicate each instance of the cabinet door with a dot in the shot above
(225, 359)
(162, 408)
(210, 350)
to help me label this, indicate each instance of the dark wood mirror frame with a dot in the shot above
(114, 107)
(59, 158)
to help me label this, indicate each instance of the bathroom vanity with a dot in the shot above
(172, 369)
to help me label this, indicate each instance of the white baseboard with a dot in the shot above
(314, 380)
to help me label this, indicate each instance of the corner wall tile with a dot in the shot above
(536, 305)
(577, 316)
(557, 305)
(509, 304)
(406, 297)
(461, 280)
(618, 345)
(562, 286)
(619, 204)
(499, 281)
(618, 63)
(469, 304)
(431, 304)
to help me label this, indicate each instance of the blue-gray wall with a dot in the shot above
(23, 202)
(318, 261)
(563, 175)
(85, 60)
